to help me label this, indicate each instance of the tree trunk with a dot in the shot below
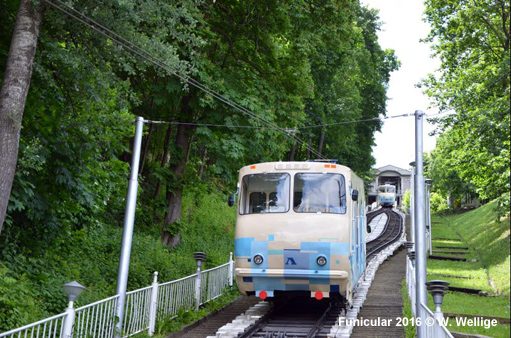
(175, 191)
(164, 159)
(308, 153)
(145, 147)
(203, 162)
(13, 93)
(321, 141)
(293, 152)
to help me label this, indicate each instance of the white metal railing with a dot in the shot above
(142, 308)
(175, 295)
(95, 319)
(434, 327)
(214, 281)
(50, 327)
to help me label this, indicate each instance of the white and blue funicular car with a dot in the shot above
(386, 195)
(300, 228)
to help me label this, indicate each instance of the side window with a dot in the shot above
(257, 202)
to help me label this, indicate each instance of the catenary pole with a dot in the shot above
(129, 220)
(420, 227)
(412, 205)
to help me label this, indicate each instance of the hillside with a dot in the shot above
(484, 242)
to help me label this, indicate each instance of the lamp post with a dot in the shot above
(199, 258)
(437, 289)
(72, 290)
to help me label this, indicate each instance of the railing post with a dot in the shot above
(72, 290)
(437, 289)
(69, 321)
(231, 269)
(153, 304)
(199, 258)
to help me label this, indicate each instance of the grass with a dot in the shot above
(488, 243)
(166, 327)
(407, 311)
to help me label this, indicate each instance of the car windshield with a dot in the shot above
(265, 193)
(391, 189)
(319, 193)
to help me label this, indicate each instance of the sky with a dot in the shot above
(401, 30)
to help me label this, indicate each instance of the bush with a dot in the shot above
(31, 288)
(407, 199)
(437, 202)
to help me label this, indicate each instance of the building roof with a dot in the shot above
(402, 172)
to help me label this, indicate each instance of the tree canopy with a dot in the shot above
(295, 65)
(471, 38)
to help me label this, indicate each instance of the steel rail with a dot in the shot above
(392, 231)
(318, 325)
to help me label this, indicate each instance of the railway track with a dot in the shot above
(296, 318)
(391, 233)
(299, 317)
(371, 215)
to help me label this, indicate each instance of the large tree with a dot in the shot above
(472, 38)
(13, 93)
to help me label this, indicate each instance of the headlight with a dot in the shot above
(321, 260)
(258, 259)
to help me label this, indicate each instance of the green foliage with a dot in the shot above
(407, 199)
(18, 305)
(294, 64)
(437, 202)
(472, 41)
(30, 288)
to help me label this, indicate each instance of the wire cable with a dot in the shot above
(160, 63)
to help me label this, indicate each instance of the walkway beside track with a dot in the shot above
(208, 326)
(384, 299)
(377, 226)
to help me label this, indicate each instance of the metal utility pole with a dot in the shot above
(412, 204)
(420, 227)
(429, 227)
(129, 220)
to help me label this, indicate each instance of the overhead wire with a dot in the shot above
(185, 78)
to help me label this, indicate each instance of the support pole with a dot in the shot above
(129, 220)
(428, 216)
(420, 227)
(412, 204)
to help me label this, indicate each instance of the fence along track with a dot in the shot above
(391, 233)
(98, 319)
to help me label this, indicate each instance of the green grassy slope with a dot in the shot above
(487, 267)
(489, 238)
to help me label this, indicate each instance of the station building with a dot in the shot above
(390, 174)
